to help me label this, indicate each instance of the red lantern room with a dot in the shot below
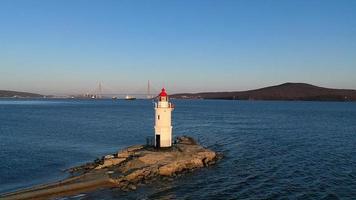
(163, 95)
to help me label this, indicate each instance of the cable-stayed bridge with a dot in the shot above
(101, 91)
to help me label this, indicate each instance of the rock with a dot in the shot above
(132, 187)
(129, 151)
(109, 157)
(170, 169)
(186, 140)
(110, 162)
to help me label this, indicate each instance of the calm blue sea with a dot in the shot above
(272, 149)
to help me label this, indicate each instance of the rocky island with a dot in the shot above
(125, 170)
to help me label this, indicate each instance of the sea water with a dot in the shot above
(272, 149)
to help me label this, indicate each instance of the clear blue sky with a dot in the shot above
(68, 46)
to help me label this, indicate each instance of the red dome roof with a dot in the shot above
(163, 93)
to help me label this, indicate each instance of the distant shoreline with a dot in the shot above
(17, 94)
(180, 99)
(283, 92)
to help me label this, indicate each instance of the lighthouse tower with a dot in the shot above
(163, 125)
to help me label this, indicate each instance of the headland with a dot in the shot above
(283, 92)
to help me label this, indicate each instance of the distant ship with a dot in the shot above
(129, 98)
(114, 97)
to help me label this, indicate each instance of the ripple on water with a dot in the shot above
(272, 150)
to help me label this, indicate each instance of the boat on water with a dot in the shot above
(129, 97)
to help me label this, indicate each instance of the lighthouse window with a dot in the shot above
(158, 117)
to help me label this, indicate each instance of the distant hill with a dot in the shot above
(15, 94)
(286, 91)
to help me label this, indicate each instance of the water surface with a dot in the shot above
(272, 149)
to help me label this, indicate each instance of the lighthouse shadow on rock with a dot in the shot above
(163, 121)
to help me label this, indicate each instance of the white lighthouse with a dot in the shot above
(163, 125)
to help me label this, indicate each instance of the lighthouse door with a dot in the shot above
(158, 141)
